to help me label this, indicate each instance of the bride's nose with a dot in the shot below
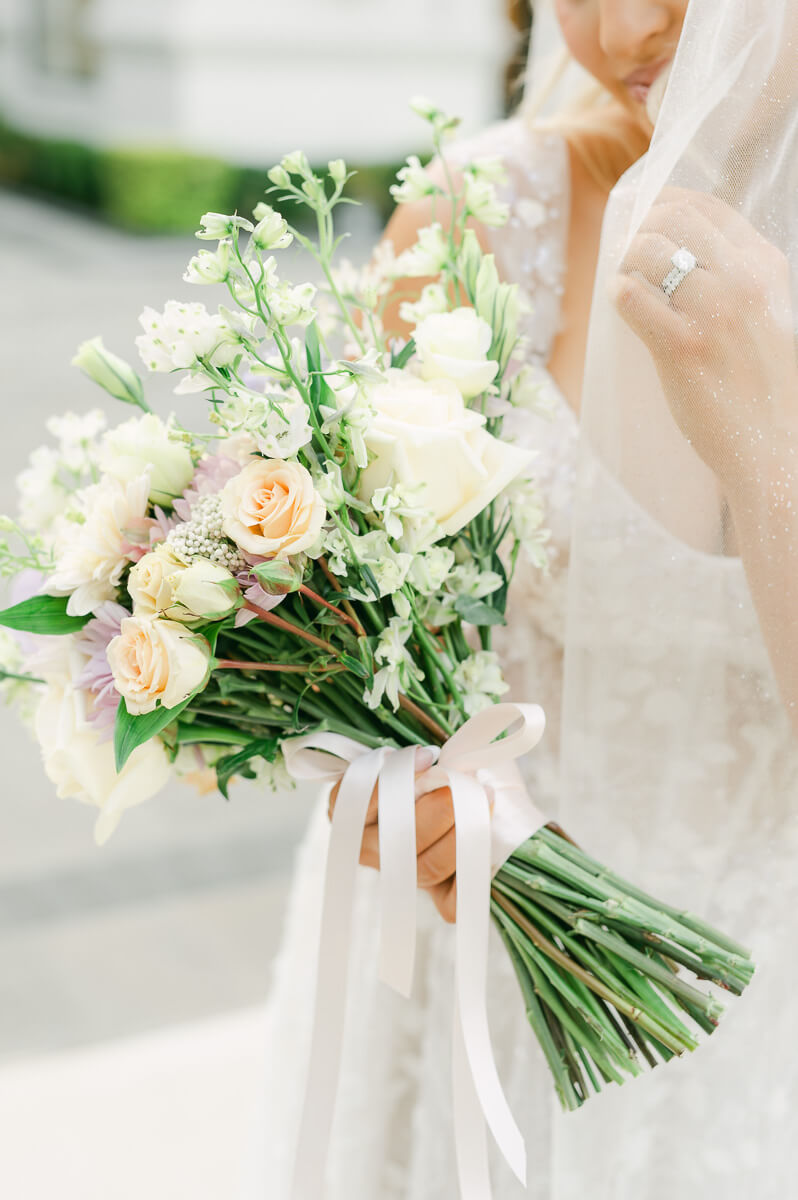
(629, 28)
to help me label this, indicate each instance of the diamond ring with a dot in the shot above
(683, 263)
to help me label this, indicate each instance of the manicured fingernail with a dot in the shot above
(425, 757)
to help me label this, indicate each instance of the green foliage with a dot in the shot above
(239, 763)
(130, 731)
(159, 189)
(152, 190)
(42, 614)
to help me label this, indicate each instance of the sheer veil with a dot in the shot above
(673, 715)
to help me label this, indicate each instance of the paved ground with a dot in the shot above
(177, 918)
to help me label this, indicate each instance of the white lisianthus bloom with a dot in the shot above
(483, 203)
(92, 554)
(479, 680)
(454, 345)
(146, 443)
(108, 370)
(427, 257)
(422, 432)
(414, 183)
(216, 226)
(271, 231)
(433, 299)
(182, 335)
(82, 766)
(271, 508)
(209, 266)
(398, 669)
(155, 661)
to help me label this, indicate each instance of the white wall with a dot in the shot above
(250, 79)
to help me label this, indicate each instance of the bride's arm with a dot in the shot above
(724, 346)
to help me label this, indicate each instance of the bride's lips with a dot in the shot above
(639, 82)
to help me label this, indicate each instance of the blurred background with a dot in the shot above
(134, 978)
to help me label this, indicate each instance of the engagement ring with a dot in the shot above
(683, 263)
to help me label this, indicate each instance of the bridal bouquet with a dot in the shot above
(309, 587)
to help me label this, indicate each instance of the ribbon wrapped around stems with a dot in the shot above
(493, 815)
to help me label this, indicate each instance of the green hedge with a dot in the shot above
(152, 189)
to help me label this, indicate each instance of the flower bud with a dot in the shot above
(216, 226)
(296, 163)
(337, 169)
(112, 373)
(271, 232)
(205, 589)
(281, 575)
(279, 176)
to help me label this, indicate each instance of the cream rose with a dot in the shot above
(162, 585)
(454, 345)
(422, 432)
(154, 660)
(146, 444)
(151, 582)
(271, 508)
(82, 767)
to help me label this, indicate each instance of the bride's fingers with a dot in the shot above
(444, 896)
(434, 818)
(371, 815)
(439, 862)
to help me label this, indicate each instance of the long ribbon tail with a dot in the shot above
(471, 1132)
(343, 856)
(397, 832)
(472, 832)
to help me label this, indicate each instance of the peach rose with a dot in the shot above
(154, 660)
(271, 508)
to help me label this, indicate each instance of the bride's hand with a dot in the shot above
(435, 846)
(723, 342)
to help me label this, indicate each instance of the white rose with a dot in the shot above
(157, 661)
(82, 767)
(145, 443)
(454, 345)
(150, 582)
(423, 433)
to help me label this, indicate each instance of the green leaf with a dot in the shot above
(236, 764)
(131, 732)
(43, 614)
(405, 354)
(356, 667)
(477, 612)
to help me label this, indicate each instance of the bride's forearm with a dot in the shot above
(764, 509)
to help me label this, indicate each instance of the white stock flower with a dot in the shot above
(468, 580)
(422, 432)
(351, 417)
(41, 495)
(431, 569)
(428, 256)
(290, 305)
(278, 422)
(433, 299)
(389, 567)
(82, 766)
(532, 390)
(527, 513)
(489, 167)
(454, 345)
(393, 503)
(219, 225)
(271, 231)
(155, 661)
(414, 183)
(209, 266)
(148, 444)
(91, 555)
(398, 669)
(182, 335)
(482, 202)
(479, 679)
(77, 436)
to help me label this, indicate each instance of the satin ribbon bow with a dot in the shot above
(474, 765)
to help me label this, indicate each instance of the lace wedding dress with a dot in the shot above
(721, 1121)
